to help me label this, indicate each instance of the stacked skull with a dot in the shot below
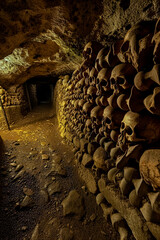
(113, 113)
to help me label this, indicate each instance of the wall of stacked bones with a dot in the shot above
(110, 110)
(13, 96)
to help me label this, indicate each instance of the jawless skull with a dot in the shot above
(130, 46)
(91, 50)
(136, 127)
(102, 80)
(122, 77)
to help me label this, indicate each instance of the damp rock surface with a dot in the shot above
(73, 204)
(41, 37)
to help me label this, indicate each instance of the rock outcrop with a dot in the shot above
(43, 37)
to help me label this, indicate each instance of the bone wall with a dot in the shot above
(109, 109)
(15, 104)
(13, 96)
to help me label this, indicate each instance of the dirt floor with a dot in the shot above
(37, 173)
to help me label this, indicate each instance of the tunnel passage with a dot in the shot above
(44, 93)
(40, 90)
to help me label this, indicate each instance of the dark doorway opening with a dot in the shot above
(41, 90)
(44, 93)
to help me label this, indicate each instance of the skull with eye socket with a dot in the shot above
(91, 50)
(112, 118)
(122, 77)
(102, 81)
(136, 128)
(91, 94)
(96, 117)
(92, 77)
(130, 46)
(100, 60)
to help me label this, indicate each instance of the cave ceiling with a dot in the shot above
(46, 37)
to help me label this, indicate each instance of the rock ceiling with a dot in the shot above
(43, 37)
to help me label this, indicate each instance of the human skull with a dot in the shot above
(100, 60)
(156, 41)
(112, 118)
(85, 73)
(122, 77)
(88, 125)
(102, 80)
(136, 127)
(91, 50)
(96, 116)
(100, 157)
(91, 93)
(112, 56)
(149, 167)
(92, 76)
(87, 107)
(80, 84)
(81, 103)
(130, 46)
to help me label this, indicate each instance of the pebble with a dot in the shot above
(93, 217)
(13, 164)
(103, 233)
(34, 153)
(19, 175)
(73, 204)
(19, 167)
(44, 197)
(27, 191)
(43, 144)
(7, 153)
(27, 202)
(85, 222)
(45, 157)
(52, 150)
(54, 187)
(24, 228)
(65, 234)
(12, 157)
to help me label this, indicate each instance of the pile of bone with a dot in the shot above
(13, 96)
(112, 112)
(62, 106)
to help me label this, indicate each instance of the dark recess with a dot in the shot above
(44, 93)
(124, 4)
